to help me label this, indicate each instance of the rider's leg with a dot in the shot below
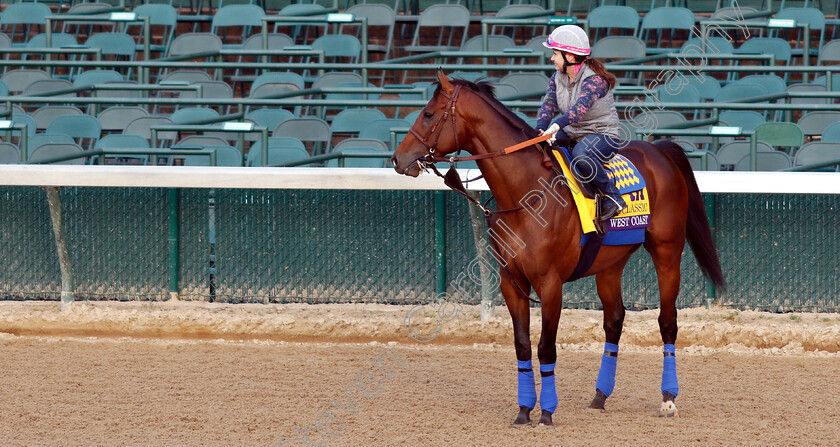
(588, 157)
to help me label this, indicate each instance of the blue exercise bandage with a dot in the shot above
(670, 384)
(606, 375)
(548, 392)
(527, 388)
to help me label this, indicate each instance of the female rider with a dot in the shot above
(581, 91)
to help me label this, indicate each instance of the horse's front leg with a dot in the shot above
(520, 313)
(552, 305)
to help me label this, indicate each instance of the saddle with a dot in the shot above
(629, 225)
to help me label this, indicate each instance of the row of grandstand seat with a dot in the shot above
(195, 150)
(451, 16)
(71, 122)
(284, 150)
(812, 124)
(735, 156)
(629, 47)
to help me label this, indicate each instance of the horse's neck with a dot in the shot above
(512, 177)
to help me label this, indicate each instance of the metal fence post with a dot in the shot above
(709, 202)
(479, 228)
(68, 286)
(440, 243)
(174, 238)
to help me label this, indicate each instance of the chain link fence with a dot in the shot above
(779, 252)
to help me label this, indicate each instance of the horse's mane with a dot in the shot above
(487, 92)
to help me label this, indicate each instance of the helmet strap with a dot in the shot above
(578, 65)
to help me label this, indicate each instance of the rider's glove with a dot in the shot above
(552, 129)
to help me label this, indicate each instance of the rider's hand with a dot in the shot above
(552, 129)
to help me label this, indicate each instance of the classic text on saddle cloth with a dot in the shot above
(632, 187)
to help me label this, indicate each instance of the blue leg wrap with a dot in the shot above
(670, 384)
(548, 392)
(606, 375)
(527, 388)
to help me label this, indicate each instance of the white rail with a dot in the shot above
(357, 178)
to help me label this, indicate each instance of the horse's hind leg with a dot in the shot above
(609, 290)
(520, 313)
(666, 259)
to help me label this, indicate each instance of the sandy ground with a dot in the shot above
(229, 375)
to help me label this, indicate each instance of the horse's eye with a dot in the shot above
(427, 114)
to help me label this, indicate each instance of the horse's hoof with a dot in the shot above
(598, 402)
(668, 409)
(545, 419)
(523, 418)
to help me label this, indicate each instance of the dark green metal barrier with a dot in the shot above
(779, 252)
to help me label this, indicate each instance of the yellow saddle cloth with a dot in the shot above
(630, 184)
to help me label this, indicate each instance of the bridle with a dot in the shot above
(448, 111)
(451, 178)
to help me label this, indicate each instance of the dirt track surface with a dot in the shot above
(204, 374)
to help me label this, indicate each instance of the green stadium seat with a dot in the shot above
(85, 129)
(26, 15)
(40, 139)
(9, 153)
(783, 135)
(378, 162)
(816, 21)
(242, 17)
(779, 48)
(613, 17)
(192, 115)
(280, 150)
(731, 153)
(49, 151)
(695, 159)
(226, 155)
(745, 119)
(352, 121)
(447, 22)
(807, 87)
(817, 152)
(45, 115)
(378, 16)
(381, 130)
(18, 79)
(339, 48)
(765, 161)
(115, 118)
(163, 20)
(658, 20)
(97, 76)
(269, 117)
(831, 133)
(830, 53)
(814, 123)
(361, 142)
(308, 129)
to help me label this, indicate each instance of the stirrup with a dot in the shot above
(600, 225)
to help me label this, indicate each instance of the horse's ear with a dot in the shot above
(445, 84)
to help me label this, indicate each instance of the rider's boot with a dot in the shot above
(613, 203)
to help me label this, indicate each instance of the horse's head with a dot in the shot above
(434, 132)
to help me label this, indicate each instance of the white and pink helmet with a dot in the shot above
(569, 38)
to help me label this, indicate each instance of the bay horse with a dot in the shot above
(543, 255)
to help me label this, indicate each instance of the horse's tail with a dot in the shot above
(698, 229)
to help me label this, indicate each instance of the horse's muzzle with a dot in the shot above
(412, 169)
